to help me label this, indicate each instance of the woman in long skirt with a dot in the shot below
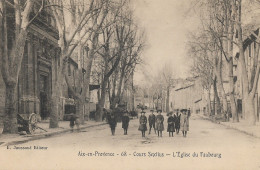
(184, 122)
(159, 123)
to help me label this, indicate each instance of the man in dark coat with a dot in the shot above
(171, 122)
(125, 122)
(143, 122)
(151, 120)
(159, 123)
(112, 123)
(72, 121)
(177, 121)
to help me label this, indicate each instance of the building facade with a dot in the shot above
(39, 70)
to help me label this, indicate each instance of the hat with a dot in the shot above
(183, 110)
(143, 111)
(151, 110)
(159, 111)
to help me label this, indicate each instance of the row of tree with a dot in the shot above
(91, 29)
(157, 89)
(224, 27)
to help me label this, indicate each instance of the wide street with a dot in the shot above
(229, 149)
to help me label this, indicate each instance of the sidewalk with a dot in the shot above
(241, 126)
(12, 139)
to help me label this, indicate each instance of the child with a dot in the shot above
(171, 121)
(159, 123)
(143, 121)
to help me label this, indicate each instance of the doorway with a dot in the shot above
(44, 111)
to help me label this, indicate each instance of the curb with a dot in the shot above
(242, 131)
(45, 135)
(229, 126)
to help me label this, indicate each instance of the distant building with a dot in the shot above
(187, 93)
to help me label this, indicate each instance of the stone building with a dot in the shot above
(39, 69)
(41, 56)
(249, 45)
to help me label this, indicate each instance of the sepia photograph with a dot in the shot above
(129, 84)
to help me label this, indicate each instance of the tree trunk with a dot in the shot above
(216, 97)
(214, 104)
(209, 102)
(101, 103)
(250, 110)
(223, 93)
(54, 115)
(231, 87)
(168, 99)
(132, 93)
(10, 117)
(55, 97)
(248, 99)
(116, 99)
(79, 110)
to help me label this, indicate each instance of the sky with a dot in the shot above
(167, 24)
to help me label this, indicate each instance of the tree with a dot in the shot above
(111, 59)
(12, 44)
(203, 68)
(83, 26)
(167, 74)
(130, 44)
(248, 91)
(228, 29)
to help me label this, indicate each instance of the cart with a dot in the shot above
(28, 123)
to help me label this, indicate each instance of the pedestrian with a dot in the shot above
(177, 121)
(151, 120)
(184, 122)
(159, 123)
(171, 123)
(125, 122)
(112, 123)
(189, 113)
(72, 121)
(77, 122)
(143, 122)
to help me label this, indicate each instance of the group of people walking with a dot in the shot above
(155, 122)
(112, 121)
(176, 122)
